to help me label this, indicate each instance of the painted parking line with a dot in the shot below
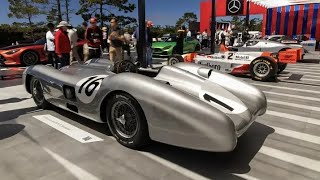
(294, 117)
(297, 135)
(300, 106)
(293, 96)
(291, 158)
(307, 79)
(28, 103)
(303, 69)
(68, 129)
(305, 72)
(287, 88)
(75, 170)
(246, 176)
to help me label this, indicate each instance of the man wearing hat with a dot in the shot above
(94, 39)
(62, 43)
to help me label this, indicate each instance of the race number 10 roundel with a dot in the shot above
(87, 88)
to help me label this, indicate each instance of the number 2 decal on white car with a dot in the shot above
(230, 56)
(87, 88)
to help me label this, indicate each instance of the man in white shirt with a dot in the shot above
(188, 33)
(50, 47)
(73, 37)
(205, 38)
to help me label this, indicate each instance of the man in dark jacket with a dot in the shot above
(62, 44)
(148, 43)
(94, 39)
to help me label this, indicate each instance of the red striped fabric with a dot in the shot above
(318, 26)
(310, 17)
(274, 20)
(283, 15)
(300, 20)
(291, 18)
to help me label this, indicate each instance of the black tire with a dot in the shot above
(174, 59)
(36, 90)
(29, 58)
(281, 67)
(134, 136)
(263, 69)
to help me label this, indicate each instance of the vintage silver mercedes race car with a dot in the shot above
(186, 105)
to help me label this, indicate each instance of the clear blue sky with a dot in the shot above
(161, 12)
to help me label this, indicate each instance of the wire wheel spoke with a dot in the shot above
(124, 119)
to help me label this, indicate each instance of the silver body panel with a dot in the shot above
(186, 105)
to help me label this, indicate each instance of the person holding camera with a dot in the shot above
(116, 41)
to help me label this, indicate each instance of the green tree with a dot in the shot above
(25, 9)
(97, 8)
(186, 19)
(57, 10)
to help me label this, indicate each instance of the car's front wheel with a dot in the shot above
(36, 88)
(29, 58)
(263, 69)
(127, 122)
(174, 59)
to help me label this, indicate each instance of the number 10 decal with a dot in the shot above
(87, 88)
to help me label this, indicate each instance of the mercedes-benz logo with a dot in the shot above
(234, 6)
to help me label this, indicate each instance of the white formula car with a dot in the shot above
(261, 66)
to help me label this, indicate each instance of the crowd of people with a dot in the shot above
(62, 49)
(61, 42)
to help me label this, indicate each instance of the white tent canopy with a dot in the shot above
(278, 3)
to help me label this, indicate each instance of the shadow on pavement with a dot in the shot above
(100, 127)
(217, 165)
(208, 164)
(12, 100)
(9, 130)
(13, 114)
(311, 61)
(8, 83)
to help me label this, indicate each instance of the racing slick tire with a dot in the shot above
(36, 89)
(174, 59)
(281, 67)
(263, 69)
(29, 58)
(127, 122)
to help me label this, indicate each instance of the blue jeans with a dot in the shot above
(149, 55)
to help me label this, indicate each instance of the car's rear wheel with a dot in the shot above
(263, 69)
(37, 93)
(127, 122)
(29, 58)
(281, 67)
(174, 59)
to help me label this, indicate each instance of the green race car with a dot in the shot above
(168, 47)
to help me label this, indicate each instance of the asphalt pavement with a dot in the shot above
(55, 144)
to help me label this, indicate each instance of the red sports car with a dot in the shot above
(23, 54)
(28, 54)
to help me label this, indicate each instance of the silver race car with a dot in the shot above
(186, 105)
